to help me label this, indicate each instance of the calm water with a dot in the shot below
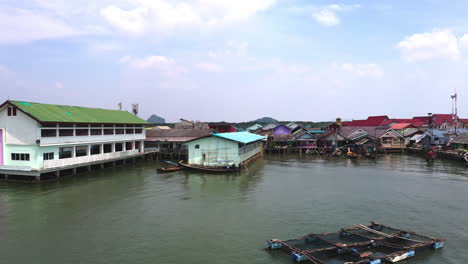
(134, 215)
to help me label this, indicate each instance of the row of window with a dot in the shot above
(67, 152)
(20, 156)
(71, 125)
(88, 132)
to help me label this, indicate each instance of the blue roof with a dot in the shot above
(242, 137)
(317, 131)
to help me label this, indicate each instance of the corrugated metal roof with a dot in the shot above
(76, 114)
(242, 137)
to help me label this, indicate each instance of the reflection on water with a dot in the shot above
(134, 215)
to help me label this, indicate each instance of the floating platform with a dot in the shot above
(372, 244)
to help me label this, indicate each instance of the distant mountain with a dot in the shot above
(266, 120)
(154, 119)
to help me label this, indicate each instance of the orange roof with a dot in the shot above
(403, 126)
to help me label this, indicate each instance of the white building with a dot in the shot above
(42, 138)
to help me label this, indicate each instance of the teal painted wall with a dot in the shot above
(217, 151)
(35, 155)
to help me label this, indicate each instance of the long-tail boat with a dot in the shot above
(209, 168)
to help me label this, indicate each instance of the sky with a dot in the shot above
(238, 60)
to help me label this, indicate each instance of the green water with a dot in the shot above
(134, 215)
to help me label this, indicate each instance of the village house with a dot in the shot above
(42, 138)
(170, 142)
(254, 128)
(224, 149)
(187, 124)
(222, 127)
(392, 140)
(460, 142)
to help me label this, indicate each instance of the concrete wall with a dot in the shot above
(20, 129)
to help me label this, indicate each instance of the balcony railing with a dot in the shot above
(49, 164)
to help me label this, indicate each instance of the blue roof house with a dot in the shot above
(224, 149)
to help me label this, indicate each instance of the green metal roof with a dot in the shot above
(76, 114)
(242, 137)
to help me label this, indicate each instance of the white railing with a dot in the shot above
(91, 138)
(48, 164)
(16, 168)
(251, 153)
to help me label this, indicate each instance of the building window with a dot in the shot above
(95, 149)
(11, 111)
(66, 132)
(128, 145)
(129, 131)
(81, 151)
(48, 133)
(48, 156)
(137, 145)
(197, 146)
(138, 131)
(119, 131)
(109, 131)
(20, 156)
(118, 147)
(96, 132)
(49, 125)
(65, 153)
(82, 132)
(107, 148)
(66, 125)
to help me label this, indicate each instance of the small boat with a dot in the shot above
(352, 155)
(371, 155)
(466, 160)
(170, 169)
(208, 168)
(430, 155)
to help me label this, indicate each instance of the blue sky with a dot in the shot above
(238, 60)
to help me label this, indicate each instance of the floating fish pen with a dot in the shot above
(372, 244)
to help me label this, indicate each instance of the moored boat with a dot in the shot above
(209, 168)
(430, 155)
(169, 169)
(352, 155)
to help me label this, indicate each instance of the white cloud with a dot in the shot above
(232, 50)
(163, 64)
(328, 15)
(58, 85)
(362, 70)
(431, 45)
(4, 70)
(464, 41)
(23, 26)
(210, 67)
(147, 15)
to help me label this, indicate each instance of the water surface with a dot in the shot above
(134, 215)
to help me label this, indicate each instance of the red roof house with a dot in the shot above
(370, 121)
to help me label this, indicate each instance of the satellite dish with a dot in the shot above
(38, 141)
(135, 109)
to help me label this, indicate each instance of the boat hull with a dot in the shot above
(169, 169)
(208, 169)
